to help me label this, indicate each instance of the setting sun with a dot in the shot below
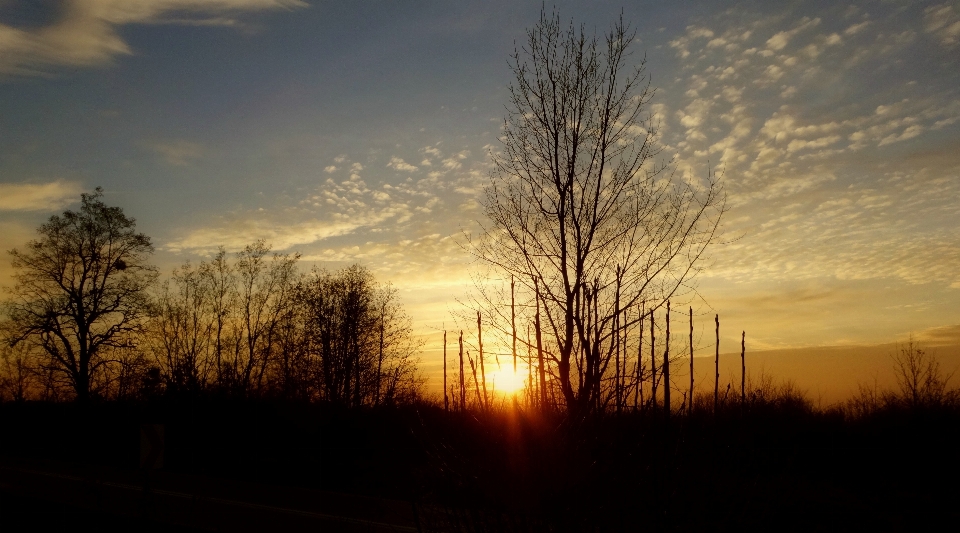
(506, 381)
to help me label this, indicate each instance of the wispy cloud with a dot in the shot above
(87, 33)
(38, 196)
(177, 152)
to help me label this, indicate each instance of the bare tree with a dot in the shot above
(81, 290)
(361, 339)
(579, 211)
(920, 380)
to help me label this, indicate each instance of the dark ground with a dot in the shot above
(781, 467)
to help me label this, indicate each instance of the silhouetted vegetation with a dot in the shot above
(773, 459)
(87, 320)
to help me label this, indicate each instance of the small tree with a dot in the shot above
(920, 381)
(80, 290)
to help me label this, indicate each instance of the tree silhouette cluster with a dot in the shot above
(87, 319)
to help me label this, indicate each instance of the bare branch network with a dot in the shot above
(592, 229)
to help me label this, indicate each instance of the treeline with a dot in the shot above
(250, 325)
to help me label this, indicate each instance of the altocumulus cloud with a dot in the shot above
(822, 191)
(87, 32)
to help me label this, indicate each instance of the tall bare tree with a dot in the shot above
(579, 211)
(80, 293)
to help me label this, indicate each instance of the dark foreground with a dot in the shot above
(255, 466)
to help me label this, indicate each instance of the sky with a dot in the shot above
(360, 131)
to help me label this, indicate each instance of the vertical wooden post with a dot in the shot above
(483, 372)
(476, 384)
(513, 324)
(463, 385)
(691, 361)
(616, 343)
(743, 369)
(543, 376)
(446, 399)
(531, 393)
(638, 386)
(653, 364)
(666, 367)
(716, 369)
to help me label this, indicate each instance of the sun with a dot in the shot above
(507, 381)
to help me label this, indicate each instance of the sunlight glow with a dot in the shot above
(506, 381)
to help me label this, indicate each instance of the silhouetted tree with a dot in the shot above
(920, 380)
(578, 206)
(362, 340)
(16, 372)
(80, 291)
(256, 326)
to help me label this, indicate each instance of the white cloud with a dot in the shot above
(908, 133)
(38, 196)
(330, 169)
(855, 29)
(399, 164)
(87, 32)
(780, 39)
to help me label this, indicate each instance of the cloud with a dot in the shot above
(399, 164)
(944, 22)
(177, 152)
(855, 29)
(87, 33)
(238, 233)
(780, 39)
(38, 196)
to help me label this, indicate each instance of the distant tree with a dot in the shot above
(16, 372)
(920, 380)
(256, 326)
(80, 291)
(579, 212)
(361, 338)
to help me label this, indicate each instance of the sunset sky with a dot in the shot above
(359, 131)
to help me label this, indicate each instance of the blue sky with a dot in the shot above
(360, 131)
